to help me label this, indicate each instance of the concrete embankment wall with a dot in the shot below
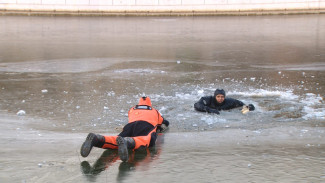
(159, 7)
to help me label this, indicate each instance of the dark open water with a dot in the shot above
(62, 77)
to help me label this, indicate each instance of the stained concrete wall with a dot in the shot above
(160, 7)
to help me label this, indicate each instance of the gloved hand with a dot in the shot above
(215, 111)
(251, 107)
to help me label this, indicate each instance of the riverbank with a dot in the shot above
(160, 8)
(158, 13)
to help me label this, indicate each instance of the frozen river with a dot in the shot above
(62, 77)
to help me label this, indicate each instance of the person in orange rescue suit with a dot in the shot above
(141, 131)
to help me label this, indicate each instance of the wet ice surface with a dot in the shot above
(49, 102)
(99, 100)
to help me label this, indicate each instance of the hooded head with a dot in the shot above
(219, 92)
(145, 101)
(219, 99)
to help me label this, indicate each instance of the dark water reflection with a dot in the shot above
(73, 75)
(138, 160)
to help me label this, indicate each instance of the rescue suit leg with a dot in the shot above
(91, 140)
(145, 141)
(110, 142)
(123, 144)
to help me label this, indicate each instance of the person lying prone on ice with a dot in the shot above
(141, 131)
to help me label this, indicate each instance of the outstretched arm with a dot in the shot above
(238, 103)
(249, 107)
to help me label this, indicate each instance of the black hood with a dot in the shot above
(217, 92)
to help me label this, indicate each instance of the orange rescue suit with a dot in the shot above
(139, 113)
(144, 112)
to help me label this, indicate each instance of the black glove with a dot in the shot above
(215, 111)
(251, 107)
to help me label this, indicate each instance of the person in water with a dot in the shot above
(218, 102)
(141, 131)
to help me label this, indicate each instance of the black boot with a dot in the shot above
(124, 144)
(130, 142)
(91, 140)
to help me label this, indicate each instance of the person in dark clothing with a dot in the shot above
(218, 102)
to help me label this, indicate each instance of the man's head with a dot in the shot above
(145, 101)
(219, 95)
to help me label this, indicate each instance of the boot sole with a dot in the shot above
(87, 145)
(122, 149)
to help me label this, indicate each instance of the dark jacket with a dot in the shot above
(210, 105)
